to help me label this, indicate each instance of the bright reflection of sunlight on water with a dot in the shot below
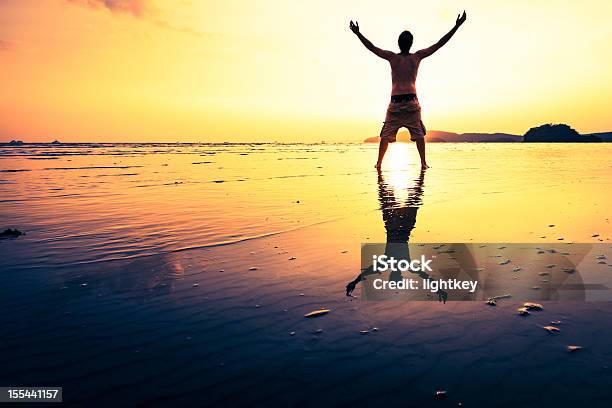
(400, 167)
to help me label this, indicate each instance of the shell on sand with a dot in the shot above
(551, 329)
(253, 268)
(533, 306)
(491, 302)
(516, 269)
(317, 313)
(504, 296)
(550, 266)
(568, 270)
(505, 262)
(573, 348)
(441, 394)
(523, 311)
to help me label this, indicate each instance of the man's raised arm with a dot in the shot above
(426, 52)
(381, 53)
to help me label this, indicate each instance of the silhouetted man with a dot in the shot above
(404, 109)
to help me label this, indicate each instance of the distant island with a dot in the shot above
(549, 133)
(439, 136)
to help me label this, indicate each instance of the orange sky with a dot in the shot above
(144, 70)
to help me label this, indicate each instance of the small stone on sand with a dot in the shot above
(317, 313)
(195, 285)
(523, 311)
(292, 258)
(551, 329)
(491, 302)
(507, 261)
(516, 269)
(556, 322)
(568, 270)
(253, 268)
(441, 394)
(363, 332)
(11, 233)
(292, 334)
(573, 348)
(533, 306)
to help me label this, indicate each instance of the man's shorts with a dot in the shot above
(403, 114)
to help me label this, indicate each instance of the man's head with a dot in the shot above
(405, 42)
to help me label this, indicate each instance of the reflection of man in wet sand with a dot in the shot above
(399, 219)
(404, 109)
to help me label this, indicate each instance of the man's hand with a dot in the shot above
(426, 52)
(460, 19)
(354, 27)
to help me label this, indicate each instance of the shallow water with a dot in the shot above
(88, 203)
(133, 280)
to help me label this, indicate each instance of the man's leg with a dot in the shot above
(382, 149)
(421, 148)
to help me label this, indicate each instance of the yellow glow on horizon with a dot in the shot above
(292, 71)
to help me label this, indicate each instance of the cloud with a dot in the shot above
(137, 8)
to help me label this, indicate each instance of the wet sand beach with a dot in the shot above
(160, 275)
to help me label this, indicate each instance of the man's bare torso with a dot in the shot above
(404, 68)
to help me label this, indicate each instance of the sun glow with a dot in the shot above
(236, 70)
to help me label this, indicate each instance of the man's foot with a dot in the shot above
(424, 166)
